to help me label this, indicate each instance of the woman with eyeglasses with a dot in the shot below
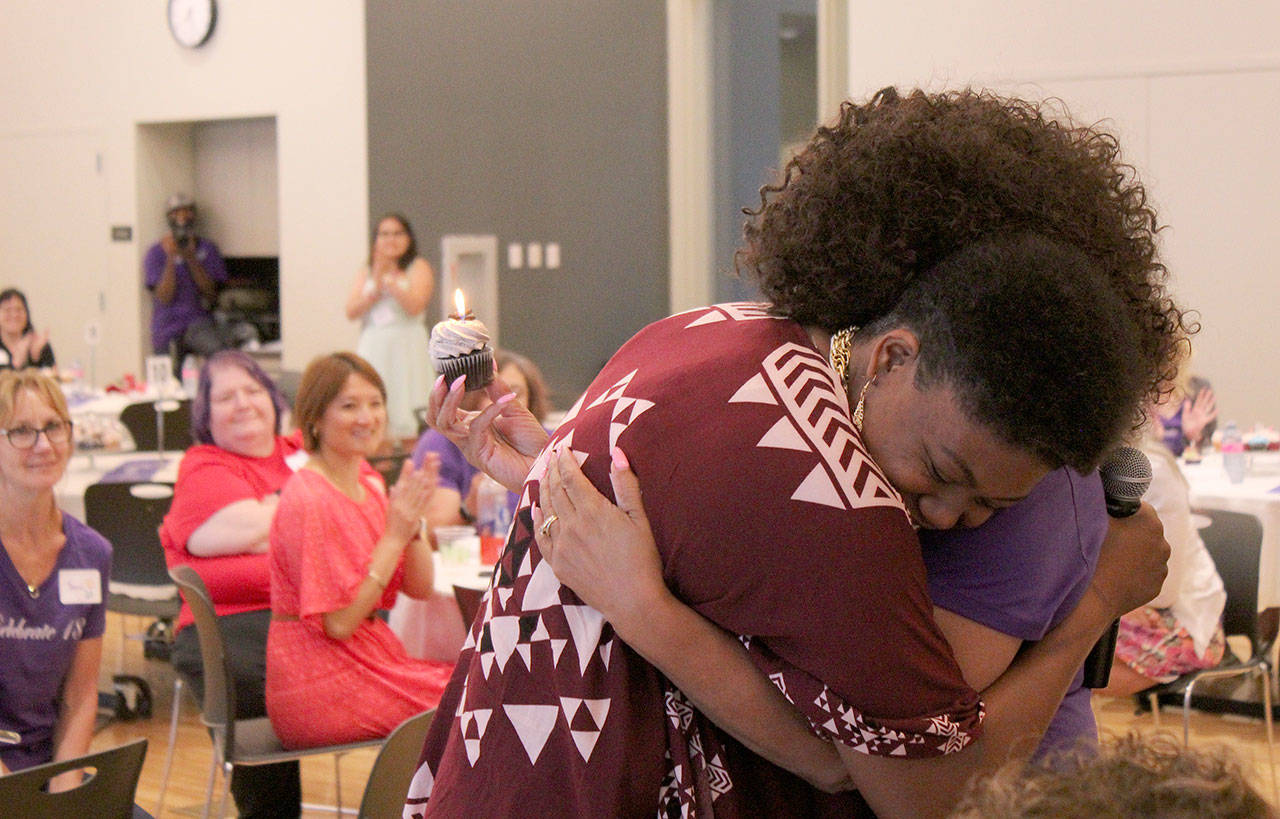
(53, 572)
(388, 298)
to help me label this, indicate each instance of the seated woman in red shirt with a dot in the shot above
(223, 503)
(341, 548)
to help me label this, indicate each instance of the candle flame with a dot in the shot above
(458, 302)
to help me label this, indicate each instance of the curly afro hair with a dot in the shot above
(966, 312)
(898, 184)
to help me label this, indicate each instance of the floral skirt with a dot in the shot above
(1153, 643)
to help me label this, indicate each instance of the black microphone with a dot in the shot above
(1126, 474)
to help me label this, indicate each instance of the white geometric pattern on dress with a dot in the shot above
(615, 392)
(804, 383)
(678, 711)
(533, 724)
(755, 391)
(585, 625)
(504, 632)
(543, 590)
(473, 725)
(421, 785)
(783, 435)
(585, 719)
(737, 311)
(718, 777)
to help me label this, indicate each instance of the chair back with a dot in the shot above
(219, 706)
(128, 515)
(1234, 541)
(389, 466)
(107, 793)
(469, 601)
(393, 770)
(140, 419)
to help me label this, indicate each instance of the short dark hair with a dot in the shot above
(15, 293)
(321, 382)
(1033, 341)
(410, 253)
(898, 184)
(200, 405)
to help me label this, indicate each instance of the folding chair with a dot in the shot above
(140, 419)
(393, 770)
(1234, 540)
(235, 741)
(107, 792)
(129, 515)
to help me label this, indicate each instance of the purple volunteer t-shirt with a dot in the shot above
(39, 636)
(455, 472)
(1023, 571)
(168, 321)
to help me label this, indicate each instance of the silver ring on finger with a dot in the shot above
(545, 528)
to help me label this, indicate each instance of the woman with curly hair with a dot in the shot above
(937, 267)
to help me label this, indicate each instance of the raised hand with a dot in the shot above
(502, 439)
(407, 502)
(1198, 414)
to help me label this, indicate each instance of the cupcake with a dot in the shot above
(460, 346)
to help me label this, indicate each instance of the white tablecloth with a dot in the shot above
(425, 626)
(1259, 495)
(84, 470)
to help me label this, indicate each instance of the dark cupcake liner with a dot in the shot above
(477, 367)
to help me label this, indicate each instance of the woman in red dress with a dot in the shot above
(341, 548)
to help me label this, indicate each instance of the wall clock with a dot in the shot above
(191, 21)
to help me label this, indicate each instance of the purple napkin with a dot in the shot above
(133, 471)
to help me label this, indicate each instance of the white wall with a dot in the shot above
(75, 80)
(1193, 91)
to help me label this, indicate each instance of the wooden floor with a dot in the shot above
(193, 752)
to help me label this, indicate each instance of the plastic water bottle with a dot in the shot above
(1233, 457)
(493, 518)
(190, 376)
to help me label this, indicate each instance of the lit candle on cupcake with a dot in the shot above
(460, 346)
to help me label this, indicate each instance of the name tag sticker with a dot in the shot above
(79, 586)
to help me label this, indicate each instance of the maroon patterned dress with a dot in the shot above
(772, 522)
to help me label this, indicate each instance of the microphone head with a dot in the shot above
(1126, 474)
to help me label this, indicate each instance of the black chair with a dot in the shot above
(107, 792)
(393, 770)
(140, 419)
(1234, 540)
(235, 741)
(389, 466)
(128, 515)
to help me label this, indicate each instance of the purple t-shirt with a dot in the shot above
(1023, 571)
(39, 637)
(168, 321)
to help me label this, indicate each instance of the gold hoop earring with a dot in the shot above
(862, 401)
(841, 342)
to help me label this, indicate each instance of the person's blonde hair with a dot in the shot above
(1133, 775)
(12, 382)
(321, 382)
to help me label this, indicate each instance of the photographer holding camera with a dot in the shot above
(183, 272)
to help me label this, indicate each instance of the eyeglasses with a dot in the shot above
(55, 432)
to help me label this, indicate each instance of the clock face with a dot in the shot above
(191, 21)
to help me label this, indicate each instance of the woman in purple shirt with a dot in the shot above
(53, 572)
